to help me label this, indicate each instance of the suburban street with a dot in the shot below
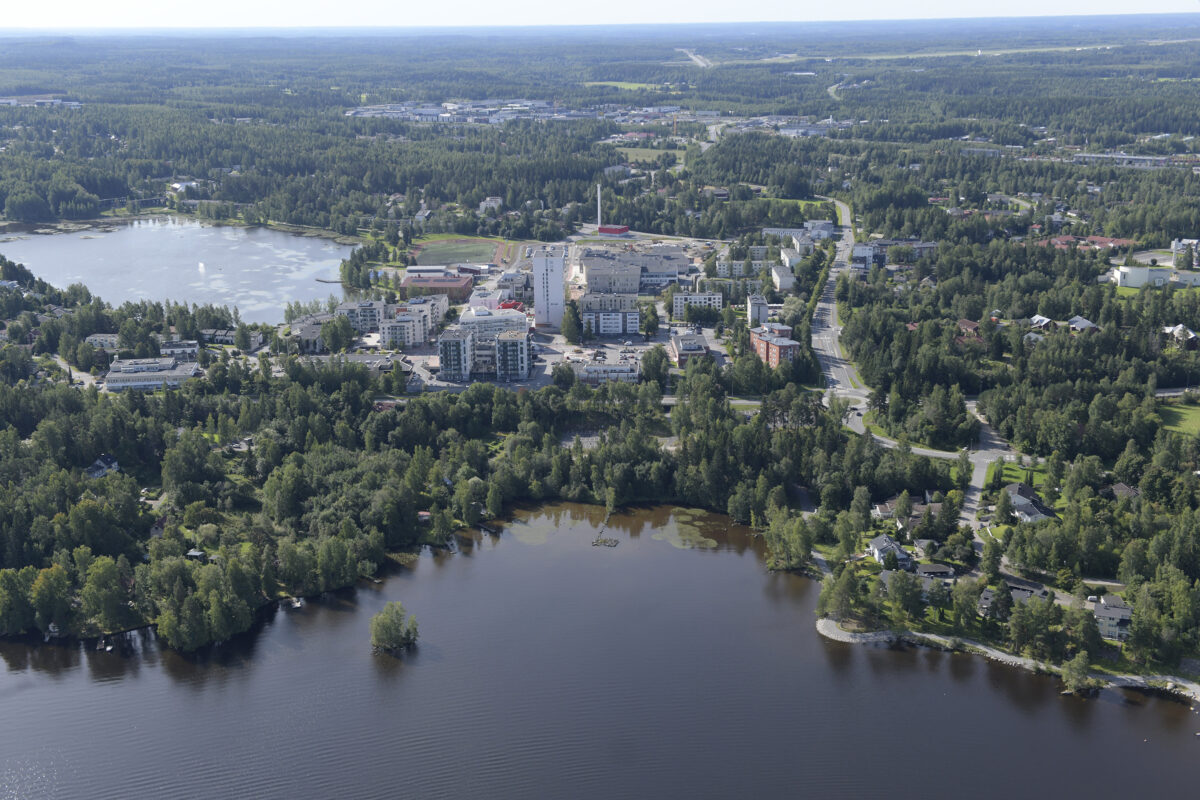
(842, 380)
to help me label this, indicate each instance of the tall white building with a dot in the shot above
(549, 296)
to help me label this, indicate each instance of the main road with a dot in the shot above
(843, 381)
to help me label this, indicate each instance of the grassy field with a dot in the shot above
(1034, 476)
(650, 154)
(1179, 418)
(457, 251)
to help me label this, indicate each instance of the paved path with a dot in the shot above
(1170, 683)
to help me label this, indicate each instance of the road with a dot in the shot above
(85, 378)
(842, 381)
(698, 60)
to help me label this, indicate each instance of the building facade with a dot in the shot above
(757, 310)
(549, 296)
(456, 353)
(364, 315)
(514, 356)
(148, 374)
(703, 299)
(610, 314)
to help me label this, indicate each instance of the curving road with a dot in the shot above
(842, 380)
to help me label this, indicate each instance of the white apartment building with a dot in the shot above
(783, 278)
(105, 341)
(364, 315)
(406, 329)
(610, 314)
(485, 322)
(549, 296)
(757, 310)
(704, 299)
(187, 350)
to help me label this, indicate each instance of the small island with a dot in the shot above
(392, 629)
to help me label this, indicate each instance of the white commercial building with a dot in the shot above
(549, 296)
(148, 373)
(1137, 277)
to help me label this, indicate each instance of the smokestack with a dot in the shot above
(599, 220)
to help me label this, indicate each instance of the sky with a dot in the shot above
(156, 14)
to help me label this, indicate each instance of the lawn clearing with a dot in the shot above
(1180, 418)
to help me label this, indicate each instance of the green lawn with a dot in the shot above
(1180, 418)
(457, 250)
(1034, 476)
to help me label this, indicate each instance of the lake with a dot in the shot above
(259, 270)
(672, 665)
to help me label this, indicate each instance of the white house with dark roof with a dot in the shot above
(1026, 503)
(1113, 617)
(880, 546)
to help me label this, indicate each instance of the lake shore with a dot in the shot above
(1182, 688)
(109, 224)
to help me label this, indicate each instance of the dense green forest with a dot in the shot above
(966, 135)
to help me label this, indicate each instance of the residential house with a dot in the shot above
(881, 546)
(936, 571)
(102, 466)
(1020, 591)
(1027, 505)
(1041, 323)
(885, 577)
(1184, 336)
(1079, 324)
(926, 547)
(1113, 617)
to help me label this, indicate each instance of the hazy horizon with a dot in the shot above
(307, 15)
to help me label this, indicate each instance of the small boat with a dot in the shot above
(297, 602)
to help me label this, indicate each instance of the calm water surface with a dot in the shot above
(551, 668)
(256, 269)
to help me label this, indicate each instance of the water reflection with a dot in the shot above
(548, 667)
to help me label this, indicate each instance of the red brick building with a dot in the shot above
(773, 345)
(456, 287)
